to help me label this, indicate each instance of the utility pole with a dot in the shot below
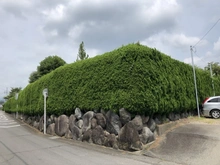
(194, 75)
(213, 86)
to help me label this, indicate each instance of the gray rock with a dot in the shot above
(184, 115)
(51, 129)
(76, 133)
(36, 124)
(113, 123)
(171, 116)
(101, 120)
(103, 111)
(151, 124)
(52, 118)
(128, 138)
(61, 125)
(87, 117)
(145, 119)
(106, 133)
(87, 136)
(72, 122)
(49, 121)
(147, 136)
(29, 120)
(78, 113)
(177, 116)
(111, 141)
(41, 124)
(79, 124)
(68, 134)
(125, 116)
(98, 135)
(137, 121)
(93, 123)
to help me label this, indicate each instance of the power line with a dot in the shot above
(207, 32)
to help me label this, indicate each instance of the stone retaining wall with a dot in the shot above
(119, 131)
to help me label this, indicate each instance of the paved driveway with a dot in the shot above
(193, 143)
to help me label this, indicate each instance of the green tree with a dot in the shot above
(82, 53)
(215, 68)
(12, 92)
(49, 64)
(34, 76)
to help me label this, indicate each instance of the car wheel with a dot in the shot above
(215, 114)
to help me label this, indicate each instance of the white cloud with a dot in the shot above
(55, 14)
(217, 45)
(179, 40)
(196, 60)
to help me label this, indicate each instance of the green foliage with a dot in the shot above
(82, 53)
(34, 76)
(140, 79)
(13, 92)
(215, 68)
(49, 64)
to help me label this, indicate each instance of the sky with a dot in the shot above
(31, 30)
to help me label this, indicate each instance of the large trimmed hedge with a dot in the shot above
(138, 78)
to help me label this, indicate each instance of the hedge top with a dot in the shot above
(135, 77)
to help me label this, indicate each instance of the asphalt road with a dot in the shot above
(22, 145)
(195, 143)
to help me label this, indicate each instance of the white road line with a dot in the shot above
(9, 126)
(8, 123)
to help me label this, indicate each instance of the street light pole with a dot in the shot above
(45, 94)
(213, 87)
(194, 76)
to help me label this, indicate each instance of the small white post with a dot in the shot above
(45, 94)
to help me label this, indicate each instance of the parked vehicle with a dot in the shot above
(211, 107)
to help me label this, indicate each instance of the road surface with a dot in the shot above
(194, 143)
(22, 145)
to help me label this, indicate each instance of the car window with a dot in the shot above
(215, 100)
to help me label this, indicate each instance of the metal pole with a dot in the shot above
(213, 87)
(194, 75)
(45, 99)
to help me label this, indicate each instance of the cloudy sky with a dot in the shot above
(34, 29)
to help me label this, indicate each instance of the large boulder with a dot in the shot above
(72, 122)
(41, 124)
(128, 138)
(137, 121)
(145, 119)
(78, 113)
(98, 135)
(87, 117)
(151, 124)
(87, 136)
(101, 120)
(125, 116)
(76, 133)
(61, 125)
(171, 116)
(51, 129)
(68, 134)
(146, 136)
(93, 123)
(79, 124)
(113, 123)
(36, 124)
(111, 141)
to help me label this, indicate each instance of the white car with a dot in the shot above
(211, 107)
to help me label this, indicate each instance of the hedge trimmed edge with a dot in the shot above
(138, 78)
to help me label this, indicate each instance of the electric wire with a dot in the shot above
(207, 32)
